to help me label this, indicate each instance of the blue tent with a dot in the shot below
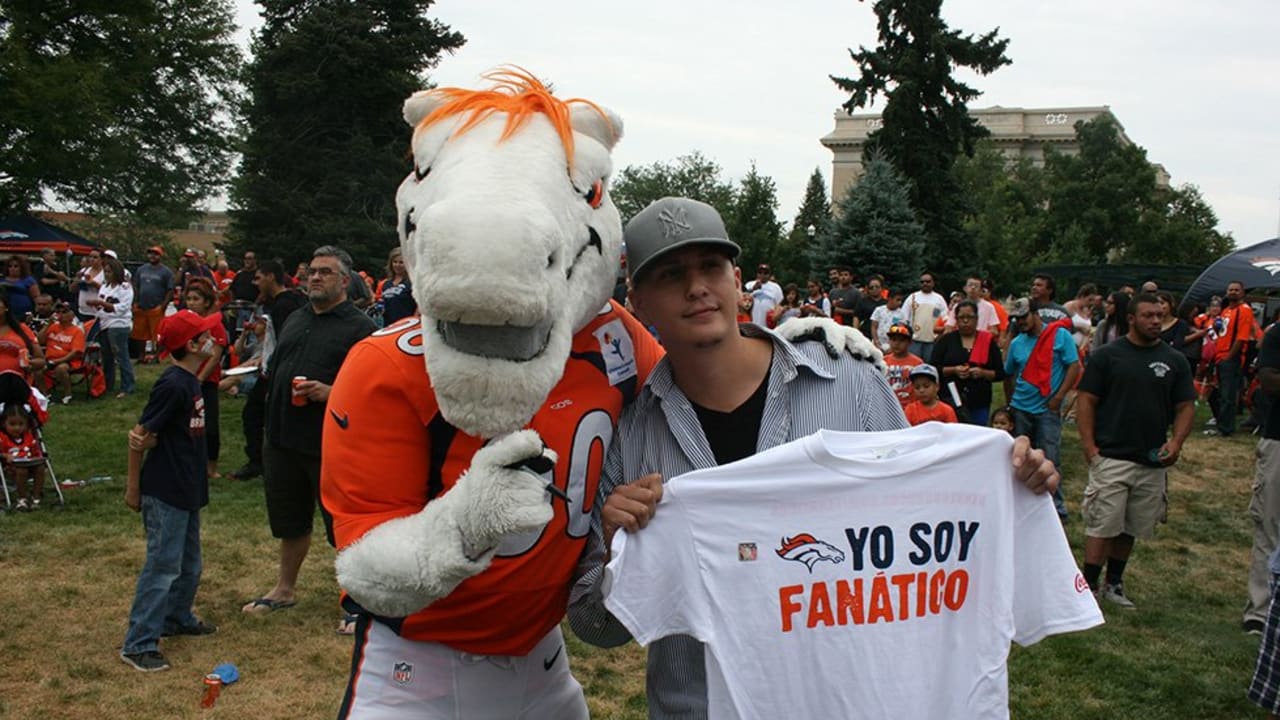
(28, 235)
(1257, 266)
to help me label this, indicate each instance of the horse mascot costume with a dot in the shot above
(463, 448)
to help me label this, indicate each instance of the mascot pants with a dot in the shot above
(394, 679)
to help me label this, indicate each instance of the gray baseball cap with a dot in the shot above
(1020, 308)
(670, 224)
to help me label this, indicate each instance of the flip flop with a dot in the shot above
(348, 624)
(252, 607)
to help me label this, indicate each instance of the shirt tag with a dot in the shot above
(884, 453)
(618, 352)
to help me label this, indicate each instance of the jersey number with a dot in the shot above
(594, 427)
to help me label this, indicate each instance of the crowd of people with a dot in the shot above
(1125, 367)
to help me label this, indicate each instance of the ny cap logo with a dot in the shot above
(673, 222)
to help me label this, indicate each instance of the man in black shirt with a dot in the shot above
(308, 354)
(1265, 505)
(277, 302)
(1131, 390)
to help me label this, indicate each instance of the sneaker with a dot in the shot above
(1211, 432)
(1211, 422)
(1114, 594)
(150, 661)
(35, 504)
(1253, 626)
(22, 505)
(66, 399)
(200, 628)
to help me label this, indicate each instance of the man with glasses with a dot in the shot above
(925, 308)
(873, 296)
(988, 320)
(310, 349)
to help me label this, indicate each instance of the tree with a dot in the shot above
(692, 176)
(326, 145)
(926, 121)
(876, 230)
(793, 255)
(1006, 217)
(1187, 231)
(119, 107)
(753, 221)
(1097, 198)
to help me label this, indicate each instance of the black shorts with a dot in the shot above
(291, 483)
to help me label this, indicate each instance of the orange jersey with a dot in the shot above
(393, 452)
(918, 414)
(62, 340)
(1236, 323)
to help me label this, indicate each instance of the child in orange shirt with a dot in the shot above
(927, 407)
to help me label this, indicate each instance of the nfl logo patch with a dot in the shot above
(402, 672)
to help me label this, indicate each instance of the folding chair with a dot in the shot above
(15, 389)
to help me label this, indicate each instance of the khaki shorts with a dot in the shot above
(1123, 498)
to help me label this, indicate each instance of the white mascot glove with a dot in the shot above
(834, 336)
(403, 565)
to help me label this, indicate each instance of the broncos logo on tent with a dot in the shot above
(805, 548)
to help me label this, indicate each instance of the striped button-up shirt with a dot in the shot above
(807, 391)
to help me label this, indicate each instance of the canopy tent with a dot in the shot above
(27, 235)
(1257, 266)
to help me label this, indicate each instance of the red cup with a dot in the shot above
(298, 398)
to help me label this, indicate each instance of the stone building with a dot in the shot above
(1016, 132)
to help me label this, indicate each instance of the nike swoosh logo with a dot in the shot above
(546, 664)
(342, 419)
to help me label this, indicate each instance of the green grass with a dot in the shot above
(66, 582)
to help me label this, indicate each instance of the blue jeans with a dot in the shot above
(116, 350)
(1045, 431)
(922, 350)
(169, 577)
(1228, 395)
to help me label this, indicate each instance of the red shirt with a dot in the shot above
(380, 465)
(11, 347)
(918, 414)
(899, 374)
(21, 448)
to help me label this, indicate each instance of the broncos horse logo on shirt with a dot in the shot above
(805, 548)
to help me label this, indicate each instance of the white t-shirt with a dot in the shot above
(883, 317)
(854, 576)
(924, 309)
(765, 296)
(987, 318)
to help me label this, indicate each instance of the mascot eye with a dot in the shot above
(421, 173)
(595, 195)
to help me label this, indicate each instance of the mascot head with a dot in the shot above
(510, 239)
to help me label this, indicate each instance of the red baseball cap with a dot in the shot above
(181, 327)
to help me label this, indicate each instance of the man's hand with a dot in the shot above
(1169, 453)
(631, 506)
(1090, 452)
(314, 391)
(133, 498)
(1032, 468)
(1055, 404)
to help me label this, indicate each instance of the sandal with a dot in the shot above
(348, 624)
(265, 605)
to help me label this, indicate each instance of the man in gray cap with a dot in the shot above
(723, 392)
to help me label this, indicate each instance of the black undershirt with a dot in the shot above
(733, 435)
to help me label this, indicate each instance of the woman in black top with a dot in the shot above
(1177, 332)
(971, 359)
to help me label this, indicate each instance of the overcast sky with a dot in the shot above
(1194, 83)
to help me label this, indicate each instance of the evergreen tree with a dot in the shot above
(692, 176)
(753, 222)
(876, 230)
(792, 259)
(326, 145)
(119, 107)
(926, 121)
